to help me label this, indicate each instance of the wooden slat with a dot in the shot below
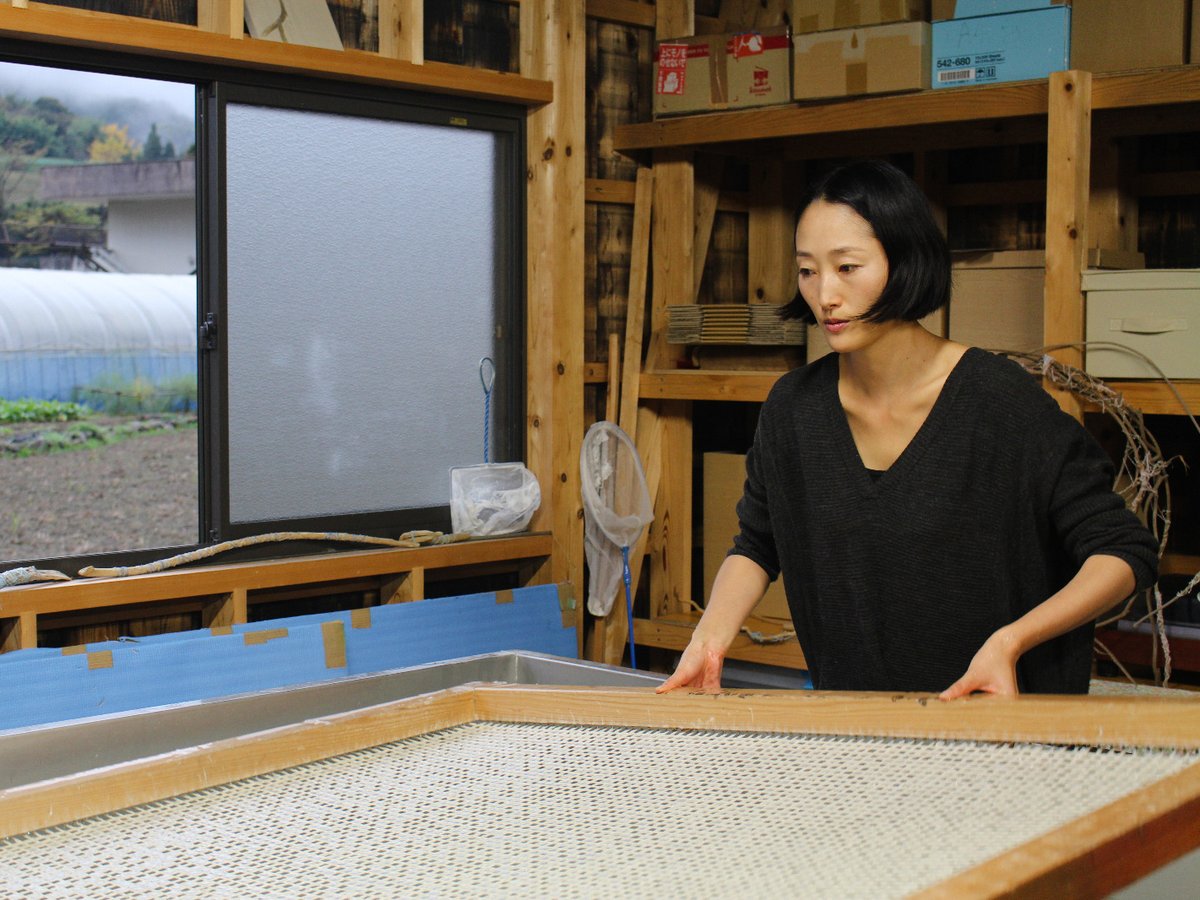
(1067, 176)
(613, 397)
(595, 372)
(144, 781)
(1179, 564)
(1135, 648)
(635, 309)
(623, 12)
(1092, 721)
(553, 43)
(215, 580)
(674, 631)
(79, 28)
(1018, 99)
(403, 588)
(671, 565)
(708, 170)
(1112, 211)
(708, 384)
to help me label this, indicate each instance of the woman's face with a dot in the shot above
(842, 271)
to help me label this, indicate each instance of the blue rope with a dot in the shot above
(629, 606)
(488, 380)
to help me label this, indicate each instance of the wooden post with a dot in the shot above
(227, 609)
(224, 17)
(553, 47)
(19, 632)
(770, 239)
(402, 30)
(1112, 208)
(1068, 170)
(709, 170)
(612, 399)
(403, 588)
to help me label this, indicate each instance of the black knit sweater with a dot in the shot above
(895, 582)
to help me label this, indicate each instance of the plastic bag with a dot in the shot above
(492, 498)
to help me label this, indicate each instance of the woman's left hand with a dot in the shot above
(992, 671)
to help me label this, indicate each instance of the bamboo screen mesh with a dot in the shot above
(578, 811)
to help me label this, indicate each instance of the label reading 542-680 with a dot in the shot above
(972, 68)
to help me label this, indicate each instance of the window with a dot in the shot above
(358, 252)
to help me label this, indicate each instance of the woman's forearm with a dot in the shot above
(1101, 583)
(739, 585)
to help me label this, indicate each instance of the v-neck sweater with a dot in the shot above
(895, 582)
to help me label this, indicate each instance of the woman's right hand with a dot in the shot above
(699, 669)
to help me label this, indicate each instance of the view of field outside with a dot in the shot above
(98, 437)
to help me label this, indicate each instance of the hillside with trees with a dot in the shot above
(41, 132)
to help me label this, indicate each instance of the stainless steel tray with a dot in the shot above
(52, 751)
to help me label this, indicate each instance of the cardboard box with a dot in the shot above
(881, 59)
(996, 302)
(724, 480)
(1153, 311)
(826, 15)
(967, 9)
(722, 71)
(1010, 47)
(1110, 35)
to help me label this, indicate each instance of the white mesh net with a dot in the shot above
(616, 507)
(570, 811)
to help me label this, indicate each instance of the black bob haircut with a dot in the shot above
(917, 253)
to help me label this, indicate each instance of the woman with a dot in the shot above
(939, 523)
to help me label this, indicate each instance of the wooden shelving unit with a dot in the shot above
(1059, 111)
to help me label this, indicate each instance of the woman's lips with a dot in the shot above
(835, 326)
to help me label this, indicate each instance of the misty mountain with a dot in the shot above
(135, 113)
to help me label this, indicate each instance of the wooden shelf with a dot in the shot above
(1156, 397)
(1179, 564)
(707, 384)
(79, 28)
(958, 106)
(673, 632)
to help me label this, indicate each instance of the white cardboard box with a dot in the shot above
(1154, 312)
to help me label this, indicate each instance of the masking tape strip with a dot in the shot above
(856, 78)
(360, 618)
(261, 637)
(566, 603)
(221, 629)
(333, 636)
(77, 650)
(504, 596)
(101, 659)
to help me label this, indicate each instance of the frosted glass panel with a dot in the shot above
(362, 273)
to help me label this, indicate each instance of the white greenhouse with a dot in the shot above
(63, 333)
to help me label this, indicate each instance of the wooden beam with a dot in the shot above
(1068, 167)
(403, 588)
(145, 37)
(673, 631)
(623, 12)
(612, 399)
(554, 48)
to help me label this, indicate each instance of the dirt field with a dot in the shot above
(137, 492)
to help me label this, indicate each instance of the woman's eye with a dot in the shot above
(847, 267)
(804, 273)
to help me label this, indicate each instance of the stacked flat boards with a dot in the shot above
(732, 323)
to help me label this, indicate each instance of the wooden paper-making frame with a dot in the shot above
(1090, 856)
